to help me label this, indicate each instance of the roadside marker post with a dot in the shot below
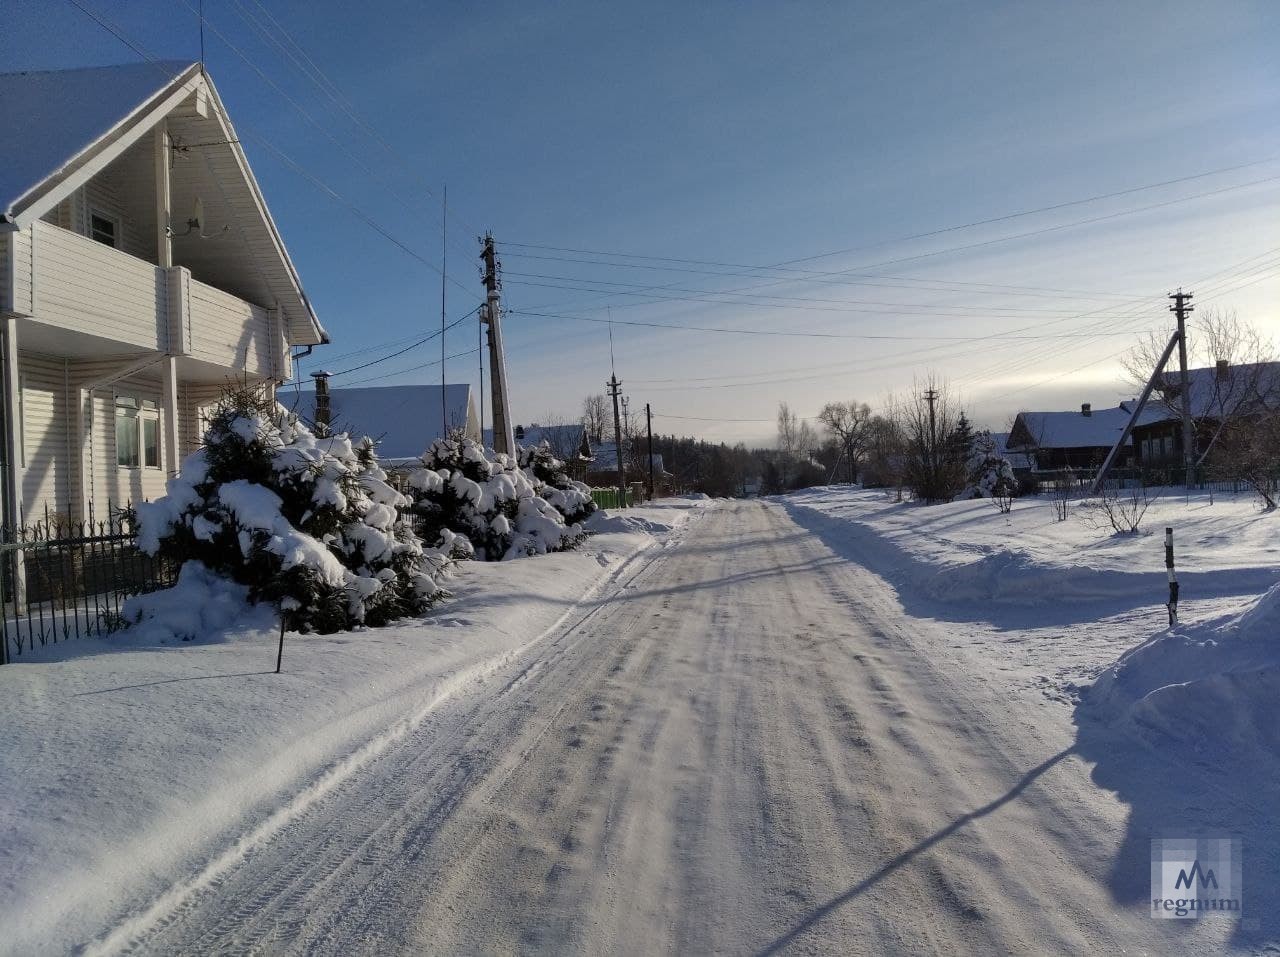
(1173, 576)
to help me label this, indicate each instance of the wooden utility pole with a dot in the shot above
(1181, 308)
(615, 389)
(648, 427)
(931, 396)
(503, 441)
(444, 273)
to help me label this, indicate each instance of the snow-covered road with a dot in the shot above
(743, 745)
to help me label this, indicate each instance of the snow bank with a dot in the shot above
(969, 553)
(1213, 686)
(200, 606)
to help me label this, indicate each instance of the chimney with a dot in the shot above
(1086, 408)
(323, 414)
(1223, 365)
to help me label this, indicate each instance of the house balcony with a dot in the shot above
(84, 299)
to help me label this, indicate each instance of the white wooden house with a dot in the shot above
(139, 271)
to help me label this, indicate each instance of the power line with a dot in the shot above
(924, 235)
(313, 72)
(327, 133)
(789, 333)
(950, 249)
(407, 348)
(268, 145)
(397, 372)
(1022, 310)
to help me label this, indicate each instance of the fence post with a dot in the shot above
(1173, 576)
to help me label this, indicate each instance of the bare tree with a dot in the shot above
(1252, 455)
(849, 423)
(559, 434)
(926, 421)
(595, 416)
(884, 453)
(1245, 383)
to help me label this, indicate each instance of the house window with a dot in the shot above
(104, 229)
(137, 432)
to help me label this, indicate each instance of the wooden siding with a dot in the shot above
(21, 272)
(88, 287)
(193, 403)
(126, 189)
(46, 440)
(5, 299)
(231, 332)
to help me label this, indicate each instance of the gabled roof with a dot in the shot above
(1018, 460)
(50, 118)
(1075, 430)
(1248, 388)
(403, 419)
(556, 435)
(58, 128)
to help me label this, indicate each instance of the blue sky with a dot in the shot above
(752, 134)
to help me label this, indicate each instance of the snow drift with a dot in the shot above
(1213, 688)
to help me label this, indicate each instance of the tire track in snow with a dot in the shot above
(183, 898)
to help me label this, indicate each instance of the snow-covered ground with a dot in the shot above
(826, 723)
(127, 764)
(1181, 722)
(1051, 603)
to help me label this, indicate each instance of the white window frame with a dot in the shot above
(112, 218)
(141, 411)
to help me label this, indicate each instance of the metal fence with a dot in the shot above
(1079, 481)
(63, 579)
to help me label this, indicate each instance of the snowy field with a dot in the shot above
(127, 763)
(1046, 603)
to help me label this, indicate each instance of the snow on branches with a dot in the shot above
(472, 505)
(309, 523)
(989, 473)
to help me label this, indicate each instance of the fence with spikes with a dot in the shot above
(62, 579)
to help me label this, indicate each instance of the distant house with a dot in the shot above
(1054, 441)
(1020, 461)
(1219, 395)
(603, 471)
(140, 271)
(403, 419)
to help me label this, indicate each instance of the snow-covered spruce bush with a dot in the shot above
(305, 522)
(473, 506)
(571, 499)
(990, 474)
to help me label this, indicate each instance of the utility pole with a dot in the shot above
(626, 419)
(615, 389)
(1181, 308)
(503, 440)
(931, 396)
(444, 272)
(648, 427)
